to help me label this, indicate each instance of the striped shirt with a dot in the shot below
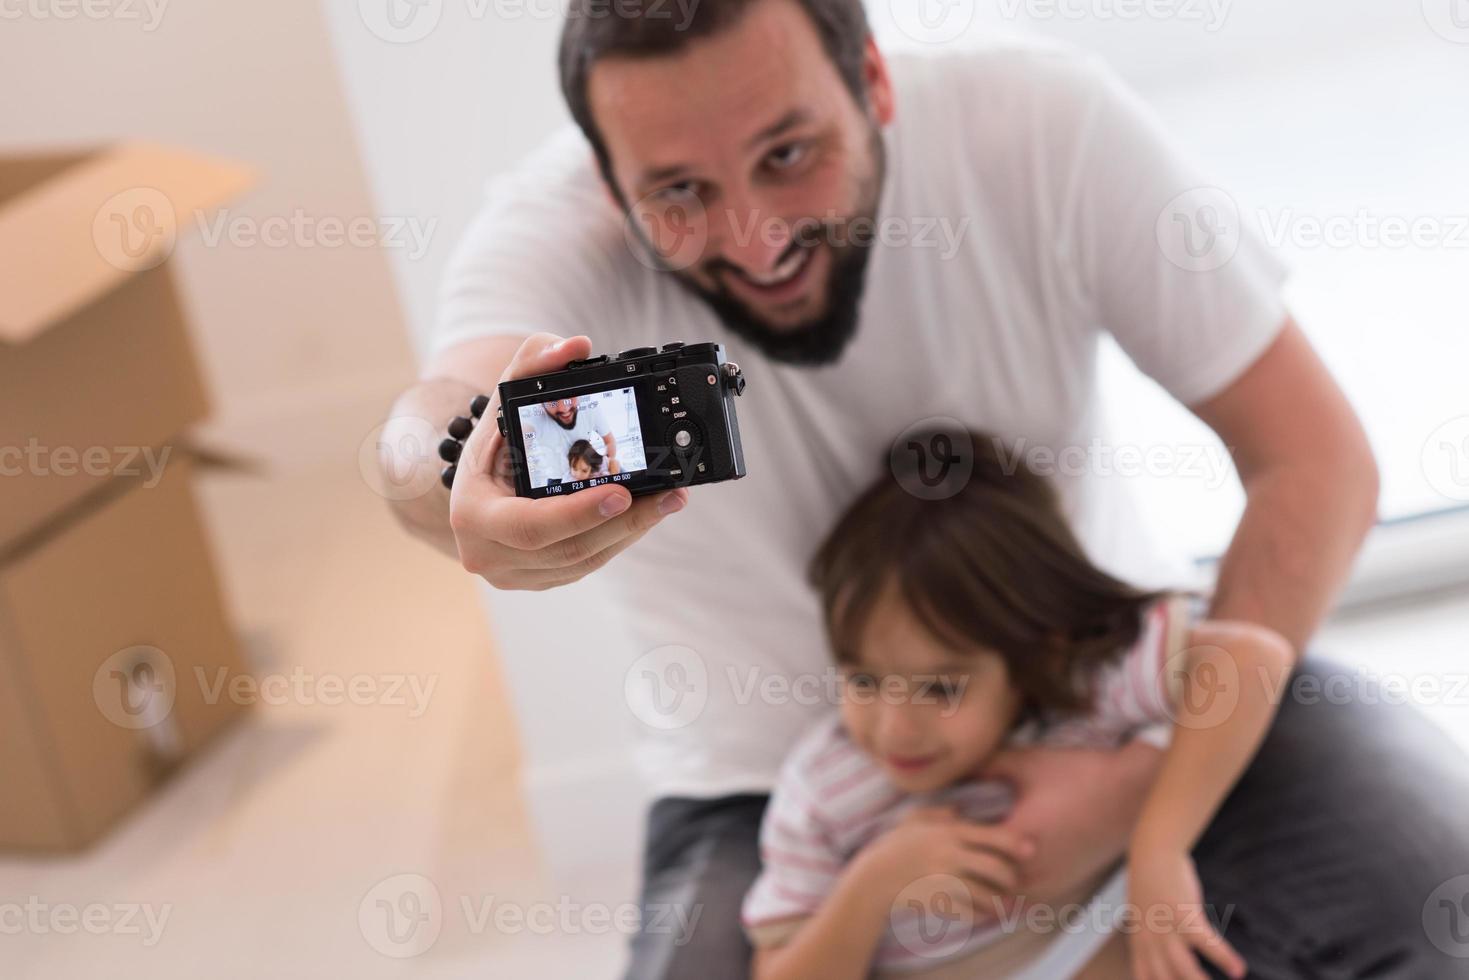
(831, 800)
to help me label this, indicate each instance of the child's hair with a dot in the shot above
(993, 565)
(582, 450)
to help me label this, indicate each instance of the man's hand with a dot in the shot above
(1079, 806)
(517, 543)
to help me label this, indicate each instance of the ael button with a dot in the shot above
(637, 352)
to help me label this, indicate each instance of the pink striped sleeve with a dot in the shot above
(798, 864)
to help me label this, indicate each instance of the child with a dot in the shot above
(962, 625)
(583, 462)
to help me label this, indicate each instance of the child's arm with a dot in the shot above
(1233, 676)
(930, 848)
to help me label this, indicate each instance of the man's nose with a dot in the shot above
(753, 237)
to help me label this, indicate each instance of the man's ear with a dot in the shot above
(878, 83)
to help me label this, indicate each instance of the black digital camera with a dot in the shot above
(650, 419)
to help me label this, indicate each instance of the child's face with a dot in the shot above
(929, 714)
(580, 470)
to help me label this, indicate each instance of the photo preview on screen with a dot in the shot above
(583, 440)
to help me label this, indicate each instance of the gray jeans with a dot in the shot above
(1337, 853)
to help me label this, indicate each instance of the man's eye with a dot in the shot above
(788, 156)
(682, 191)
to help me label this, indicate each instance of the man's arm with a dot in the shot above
(1311, 487)
(510, 542)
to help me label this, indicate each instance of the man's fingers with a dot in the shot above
(998, 839)
(992, 873)
(1217, 950)
(578, 549)
(527, 524)
(543, 353)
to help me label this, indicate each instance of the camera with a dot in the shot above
(650, 419)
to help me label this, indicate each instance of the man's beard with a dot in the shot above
(822, 340)
(568, 425)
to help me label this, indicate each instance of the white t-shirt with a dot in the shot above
(1052, 178)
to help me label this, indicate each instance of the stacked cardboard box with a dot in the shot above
(110, 608)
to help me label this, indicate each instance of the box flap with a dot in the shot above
(76, 236)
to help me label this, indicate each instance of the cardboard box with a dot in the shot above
(96, 363)
(109, 603)
(113, 640)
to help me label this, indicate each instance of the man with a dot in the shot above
(787, 183)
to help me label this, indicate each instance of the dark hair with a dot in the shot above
(995, 564)
(582, 450)
(596, 29)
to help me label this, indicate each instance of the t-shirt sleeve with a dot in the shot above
(1134, 696)
(1168, 263)
(799, 866)
(540, 255)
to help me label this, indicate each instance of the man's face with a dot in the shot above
(743, 159)
(563, 411)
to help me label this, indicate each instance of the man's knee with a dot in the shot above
(700, 859)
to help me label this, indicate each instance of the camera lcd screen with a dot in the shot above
(583, 440)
